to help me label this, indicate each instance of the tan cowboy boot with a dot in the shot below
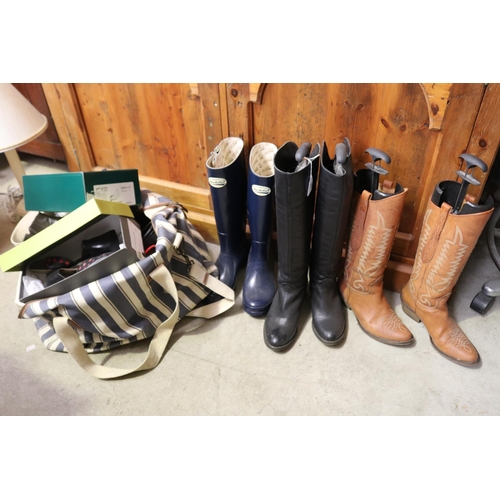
(372, 236)
(445, 244)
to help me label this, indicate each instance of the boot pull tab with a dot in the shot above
(430, 247)
(359, 220)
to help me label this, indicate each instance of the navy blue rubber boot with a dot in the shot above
(260, 283)
(227, 177)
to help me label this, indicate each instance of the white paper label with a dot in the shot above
(135, 237)
(261, 190)
(217, 182)
(122, 192)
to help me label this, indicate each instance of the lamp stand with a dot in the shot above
(15, 165)
(15, 209)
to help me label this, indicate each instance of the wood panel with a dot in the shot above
(71, 128)
(424, 128)
(485, 138)
(392, 117)
(164, 130)
(441, 161)
(239, 116)
(437, 96)
(167, 131)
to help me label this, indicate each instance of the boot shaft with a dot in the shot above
(260, 193)
(295, 183)
(331, 214)
(446, 243)
(227, 177)
(372, 235)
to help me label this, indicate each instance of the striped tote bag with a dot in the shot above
(144, 300)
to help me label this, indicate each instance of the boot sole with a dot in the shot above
(457, 361)
(281, 348)
(413, 315)
(386, 341)
(329, 343)
(256, 312)
(379, 339)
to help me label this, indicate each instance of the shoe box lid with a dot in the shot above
(56, 234)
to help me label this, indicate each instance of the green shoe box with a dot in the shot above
(67, 191)
(64, 239)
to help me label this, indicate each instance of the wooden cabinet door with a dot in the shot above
(168, 130)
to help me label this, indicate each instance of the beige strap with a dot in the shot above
(151, 210)
(157, 346)
(199, 273)
(211, 310)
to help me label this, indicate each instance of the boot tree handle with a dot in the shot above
(303, 151)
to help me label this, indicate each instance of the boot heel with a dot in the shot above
(345, 302)
(410, 313)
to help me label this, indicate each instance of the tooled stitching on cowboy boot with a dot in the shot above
(417, 267)
(356, 237)
(457, 338)
(442, 261)
(430, 248)
(391, 321)
(365, 270)
(425, 297)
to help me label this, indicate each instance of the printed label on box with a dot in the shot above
(135, 238)
(122, 192)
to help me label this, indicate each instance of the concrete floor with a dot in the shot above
(224, 368)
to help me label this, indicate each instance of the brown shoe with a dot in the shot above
(371, 239)
(445, 245)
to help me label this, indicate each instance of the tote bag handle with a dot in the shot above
(157, 346)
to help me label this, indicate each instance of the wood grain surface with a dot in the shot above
(167, 132)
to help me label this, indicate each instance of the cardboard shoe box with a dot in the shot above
(67, 191)
(64, 239)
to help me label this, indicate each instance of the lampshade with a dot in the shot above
(20, 121)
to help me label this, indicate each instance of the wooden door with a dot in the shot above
(166, 131)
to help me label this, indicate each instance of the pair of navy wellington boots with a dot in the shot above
(237, 196)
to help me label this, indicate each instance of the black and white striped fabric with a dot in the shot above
(142, 300)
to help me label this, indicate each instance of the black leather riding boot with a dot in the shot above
(330, 224)
(295, 185)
